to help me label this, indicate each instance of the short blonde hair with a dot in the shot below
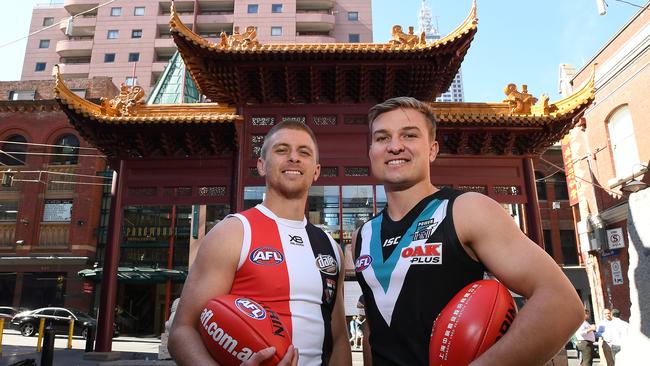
(404, 102)
(290, 125)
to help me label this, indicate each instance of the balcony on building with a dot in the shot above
(74, 7)
(75, 47)
(74, 68)
(213, 31)
(313, 4)
(215, 7)
(314, 27)
(82, 26)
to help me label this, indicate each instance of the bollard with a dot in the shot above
(90, 338)
(70, 332)
(47, 356)
(40, 335)
(2, 330)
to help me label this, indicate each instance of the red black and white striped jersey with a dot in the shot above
(293, 267)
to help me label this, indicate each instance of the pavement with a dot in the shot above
(133, 351)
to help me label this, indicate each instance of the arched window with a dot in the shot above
(13, 151)
(541, 186)
(68, 150)
(623, 141)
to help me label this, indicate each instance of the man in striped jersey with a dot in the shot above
(271, 254)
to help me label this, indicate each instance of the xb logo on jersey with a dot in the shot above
(424, 254)
(266, 256)
(295, 240)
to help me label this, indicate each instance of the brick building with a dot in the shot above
(49, 217)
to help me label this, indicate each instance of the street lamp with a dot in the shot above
(634, 185)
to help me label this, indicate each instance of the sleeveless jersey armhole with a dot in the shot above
(337, 254)
(246, 243)
(452, 226)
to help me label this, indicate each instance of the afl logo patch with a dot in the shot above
(362, 263)
(266, 256)
(250, 308)
(326, 264)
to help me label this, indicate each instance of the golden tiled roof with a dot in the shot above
(467, 26)
(196, 113)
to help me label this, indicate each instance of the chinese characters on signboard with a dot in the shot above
(567, 156)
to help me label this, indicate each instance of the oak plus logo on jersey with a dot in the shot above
(391, 241)
(326, 264)
(250, 308)
(266, 256)
(362, 263)
(430, 253)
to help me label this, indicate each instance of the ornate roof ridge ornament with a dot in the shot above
(406, 39)
(125, 103)
(519, 102)
(245, 41)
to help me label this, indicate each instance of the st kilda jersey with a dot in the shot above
(408, 271)
(293, 267)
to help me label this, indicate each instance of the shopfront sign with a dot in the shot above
(617, 272)
(615, 239)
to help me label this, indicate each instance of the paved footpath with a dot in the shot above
(134, 351)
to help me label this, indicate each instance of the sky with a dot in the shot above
(519, 41)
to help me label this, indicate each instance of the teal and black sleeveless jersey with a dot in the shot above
(408, 271)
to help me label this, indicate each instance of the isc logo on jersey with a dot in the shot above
(266, 256)
(430, 253)
(326, 264)
(250, 308)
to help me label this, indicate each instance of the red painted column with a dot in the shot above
(170, 262)
(533, 216)
(111, 262)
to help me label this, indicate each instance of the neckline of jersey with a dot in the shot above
(296, 224)
(413, 212)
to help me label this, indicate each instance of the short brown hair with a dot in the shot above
(404, 102)
(290, 125)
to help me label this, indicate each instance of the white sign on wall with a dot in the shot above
(615, 238)
(617, 273)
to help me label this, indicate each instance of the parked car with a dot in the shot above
(8, 312)
(59, 318)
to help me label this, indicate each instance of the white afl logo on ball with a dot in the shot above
(250, 308)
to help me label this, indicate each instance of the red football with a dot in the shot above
(476, 318)
(234, 327)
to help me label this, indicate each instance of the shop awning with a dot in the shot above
(136, 274)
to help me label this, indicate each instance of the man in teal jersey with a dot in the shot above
(428, 243)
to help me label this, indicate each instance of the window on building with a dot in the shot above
(116, 12)
(44, 43)
(623, 142)
(276, 31)
(540, 183)
(136, 33)
(8, 211)
(569, 249)
(134, 57)
(22, 94)
(354, 38)
(14, 151)
(67, 150)
(40, 66)
(560, 187)
(138, 11)
(109, 57)
(48, 21)
(112, 34)
(131, 81)
(353, 16)
(253, 8)
(276, 8)
(548, 243)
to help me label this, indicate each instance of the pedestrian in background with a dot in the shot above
(586, 337)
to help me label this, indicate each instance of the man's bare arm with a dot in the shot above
(553, 311)
(341, 353)
(367, 352)
(211, 275)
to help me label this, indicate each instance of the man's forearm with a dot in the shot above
(186, 347)
(341, 353)
(539, 331)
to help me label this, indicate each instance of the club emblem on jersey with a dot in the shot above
(266, 256)
(326, 264)
(330, 290)
(424, 254)
(362, 263)
(250, 308)
(425, 229)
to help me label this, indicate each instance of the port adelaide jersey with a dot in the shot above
(408, 271)
(293, 267)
